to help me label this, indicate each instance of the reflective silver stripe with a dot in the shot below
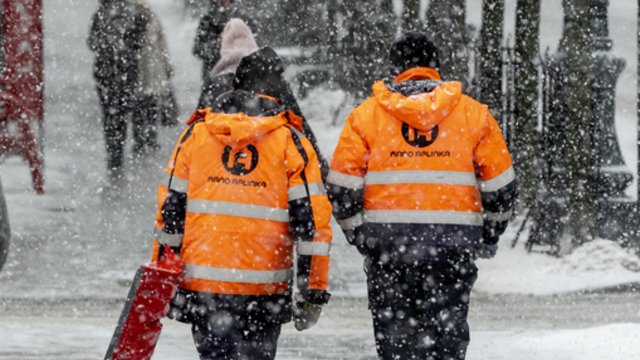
(505, 216)
(344, 180)
(177, 184)
(421, 177)
(313, 248)
(236, 275)
(162, 237)
(299, 192)
(424, 217)
(237, 209)
(352, 222)
(499, 181)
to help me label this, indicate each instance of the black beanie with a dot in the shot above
(254, 69)
(414, 49)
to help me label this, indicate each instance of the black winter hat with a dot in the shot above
(414, 49)
(260, 69)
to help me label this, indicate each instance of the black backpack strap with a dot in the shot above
(184, 138)
(305, 158)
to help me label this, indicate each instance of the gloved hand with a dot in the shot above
(487, 251)
(305, 314)
(174, 211)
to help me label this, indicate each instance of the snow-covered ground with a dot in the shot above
(601, 264)
(574, 328)
(81, 339)
(75, 242)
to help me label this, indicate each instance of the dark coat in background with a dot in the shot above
(117, 37)
(207, 43)
(156, 102)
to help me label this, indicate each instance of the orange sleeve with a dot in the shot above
(491, 155)
(496, 179)
(345, 182)
(352, 153)
(310, 212)
(180, 162)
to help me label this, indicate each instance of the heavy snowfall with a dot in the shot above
(75, 249)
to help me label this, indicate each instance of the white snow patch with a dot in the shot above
(327, 110)
(618, 341)
(601, 255)
(597, 264)
(88, 338)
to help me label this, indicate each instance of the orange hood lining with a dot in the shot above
(418, 73)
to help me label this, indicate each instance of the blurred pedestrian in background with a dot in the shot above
(132, 73)
(156, 99)
(116, 37)
(207, 43)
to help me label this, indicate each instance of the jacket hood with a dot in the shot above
(418, 97)
(237, 41)
(240, 130)
(239, 118)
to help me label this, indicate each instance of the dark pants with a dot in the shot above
(420, 309)
(118, 106)
(225, 336)
(145, 125)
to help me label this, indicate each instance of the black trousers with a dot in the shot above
(145, 124)
(118, 106)
(420, 309)
(224, 335)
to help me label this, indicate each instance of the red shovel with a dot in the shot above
(148, 301)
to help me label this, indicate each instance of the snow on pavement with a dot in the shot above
(74, 242)
(595, 265)
(28, 338)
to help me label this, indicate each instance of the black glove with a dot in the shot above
(174, 211)
(305, 314)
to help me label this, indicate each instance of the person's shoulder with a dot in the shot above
(364, 112)
(468, 99)
(366, 104)
(475, 111)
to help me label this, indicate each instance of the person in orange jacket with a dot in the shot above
(244, 201)
(422, 184)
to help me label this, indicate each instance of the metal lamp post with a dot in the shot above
(616, 211)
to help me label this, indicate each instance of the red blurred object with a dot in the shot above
(148, 302)
(21, 83)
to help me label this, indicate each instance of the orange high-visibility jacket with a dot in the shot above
(251, 195)
(421, 163)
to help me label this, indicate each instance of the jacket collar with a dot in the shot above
(418, 73)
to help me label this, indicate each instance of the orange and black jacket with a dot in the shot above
(420, 163)
(245, 192)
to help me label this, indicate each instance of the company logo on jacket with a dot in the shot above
(244, 160)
